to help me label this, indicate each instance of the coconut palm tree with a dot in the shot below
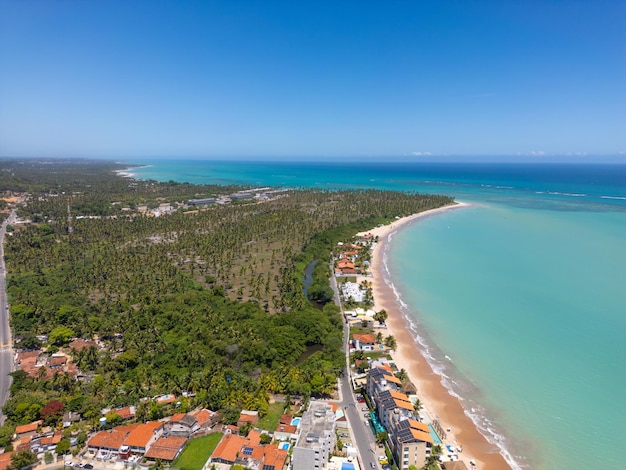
(390, 342)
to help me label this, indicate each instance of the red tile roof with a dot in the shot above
(125, 413)
(5, 460)
(166, 399)
(56, 361)
(286, 428)
(177, 417)
(204, 417)
(228, 447)
(285, 419)
(231, 444)
(28, 355)
(113, 439)
(166, 448)
(24, 428)
(80, 344)
(247, 418)
(365, 339)
(55, 439)
(141, 435)
(274, 458)
(349, 271)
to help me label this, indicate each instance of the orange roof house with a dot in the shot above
(24, 443)
(285, 432)
(285, 419)
(111, 440)
(274, 458)
(345, 264)
(140, 438)
(5, 460)
(165, 399)
(79, 344)
(248, 452)
(365, 342)
(228, 448)
(126, 413)
(27, 429)
(346, 271)
(57, 361)
(246, 416)
(183, 425)
(166, 448)
(365, 338)
(52, 440)
(206, 418)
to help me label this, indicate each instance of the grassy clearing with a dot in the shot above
(197, 452)
(270, 420)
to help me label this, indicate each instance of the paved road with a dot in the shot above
(6, 347)
(362, 435)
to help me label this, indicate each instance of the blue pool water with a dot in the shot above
(434, 435)
(295, 421)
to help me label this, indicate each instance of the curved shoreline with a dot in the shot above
(435, 396)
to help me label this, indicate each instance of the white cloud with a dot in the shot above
(421, 154)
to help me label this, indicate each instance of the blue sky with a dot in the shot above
(413, 79)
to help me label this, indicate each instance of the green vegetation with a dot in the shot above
(207, 301)
(197, 452)
(269, 422)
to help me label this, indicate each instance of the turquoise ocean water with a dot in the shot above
(519, 301)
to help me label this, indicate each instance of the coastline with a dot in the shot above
(127, 173)
(435, 397)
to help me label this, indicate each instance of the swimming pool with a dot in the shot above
(295, 421)
(434, 435)
(284, 446)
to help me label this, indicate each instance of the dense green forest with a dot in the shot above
(208, 301)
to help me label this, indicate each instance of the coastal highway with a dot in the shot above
(6, 347)
(362, 435)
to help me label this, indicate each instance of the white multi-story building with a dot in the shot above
(317, 438)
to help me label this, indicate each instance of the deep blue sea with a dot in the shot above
(519, 301)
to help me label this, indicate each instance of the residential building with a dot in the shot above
(166, 448)
(247, 416)
(248, 452)
(317, 438)
(410, 441)
(364, 342)
(206, 418)
(105, 445)
(70, 417)
(181, 424)
(140, 438)
(393, 405)
(27, 430)
(381, 378)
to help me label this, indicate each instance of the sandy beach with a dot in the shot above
(434, 396)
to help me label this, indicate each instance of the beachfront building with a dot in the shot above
(352, 290)
(410, 442)
(381, 378)
(364, 342)
(317, 438)
(392, 405)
